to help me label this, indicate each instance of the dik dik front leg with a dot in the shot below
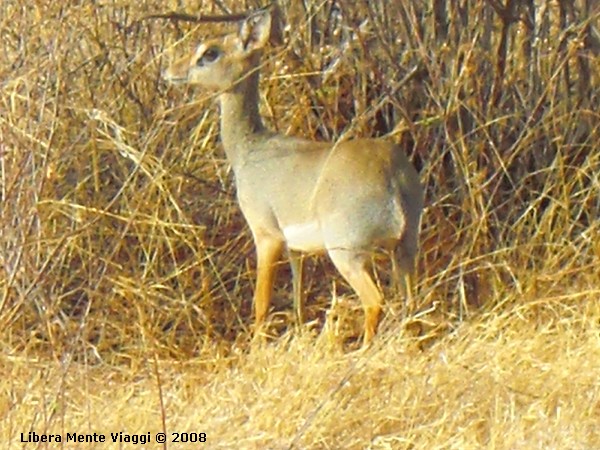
(297, 265)
(268, 251)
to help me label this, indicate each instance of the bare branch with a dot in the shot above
(207, 18)
(203, 18)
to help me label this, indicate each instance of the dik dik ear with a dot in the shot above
(255, 31)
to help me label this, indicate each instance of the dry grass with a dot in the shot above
(126, 269)
(500, 381)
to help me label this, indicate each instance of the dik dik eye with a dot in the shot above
(209, 56)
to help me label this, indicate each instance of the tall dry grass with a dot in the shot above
(120, 239)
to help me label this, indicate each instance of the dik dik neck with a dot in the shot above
(240, 119)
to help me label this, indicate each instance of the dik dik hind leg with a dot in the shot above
(268, 250)
(403, 274)
(297, 263)
(353, 267)
(403, 278)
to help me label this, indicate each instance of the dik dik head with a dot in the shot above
(218, 64)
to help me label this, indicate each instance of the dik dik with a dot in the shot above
(347, 199)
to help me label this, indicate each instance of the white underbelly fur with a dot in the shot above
(306, 237)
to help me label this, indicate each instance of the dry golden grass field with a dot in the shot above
(127, 270)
